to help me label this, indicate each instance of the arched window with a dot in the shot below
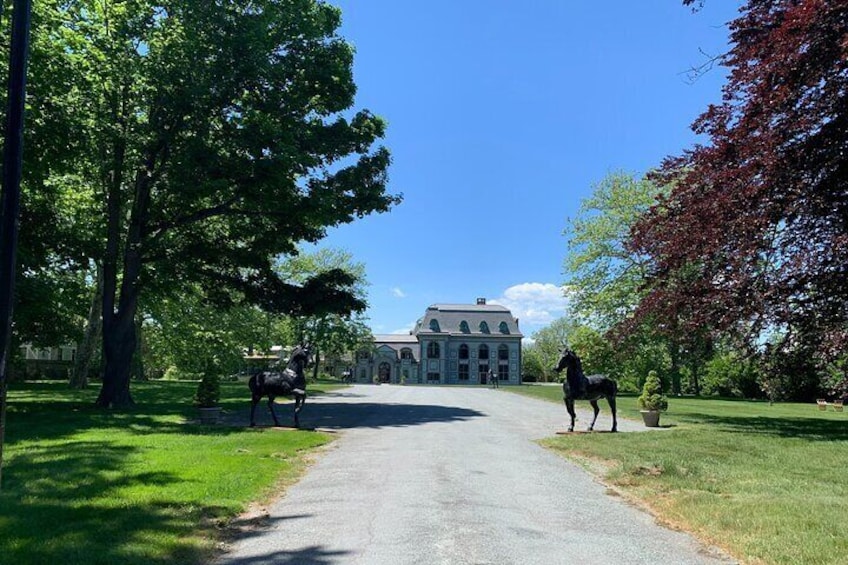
(433, 350)
(406, 353)
(484, 327)
(434, 325)
(483, 352)
(463, 351)
(503, 353)
(504, 329)
(463, 327)
(363, 355)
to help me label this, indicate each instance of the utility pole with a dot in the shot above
(11, 196)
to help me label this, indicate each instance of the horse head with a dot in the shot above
(566, 358)
(299, 357)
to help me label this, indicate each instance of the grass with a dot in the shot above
(769, 484)
(81, 485)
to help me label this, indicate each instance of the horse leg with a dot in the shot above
(271, 408)
(299, 400)
(254, 400)
(569, 405)
(611, 402)
(595, 407)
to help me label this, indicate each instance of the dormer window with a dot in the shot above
(504, 328)
(434, 325)
(463, 327)
(484, 327)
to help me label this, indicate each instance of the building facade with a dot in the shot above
(452, 344)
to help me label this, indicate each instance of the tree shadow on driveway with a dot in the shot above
(348, 415)
(312, 555)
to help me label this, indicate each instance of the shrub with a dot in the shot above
(652, 397)
(208, 391)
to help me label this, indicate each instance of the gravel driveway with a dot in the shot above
(427, 475)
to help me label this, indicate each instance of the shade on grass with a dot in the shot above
(84, 486)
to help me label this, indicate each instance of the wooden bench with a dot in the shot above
(836, 404)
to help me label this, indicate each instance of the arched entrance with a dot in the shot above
(384, 372)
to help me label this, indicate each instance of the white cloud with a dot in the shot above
(406, 330)
(398, 293)
(534, 304)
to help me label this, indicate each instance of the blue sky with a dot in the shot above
(502, 115)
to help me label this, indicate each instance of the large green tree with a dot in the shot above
(604, 277)
(219, 136)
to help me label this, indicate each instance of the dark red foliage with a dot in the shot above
(756, 228)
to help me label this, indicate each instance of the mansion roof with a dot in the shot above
(395, 338)
(468, 319)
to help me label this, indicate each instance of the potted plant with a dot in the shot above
(652, 401)
(207, 396)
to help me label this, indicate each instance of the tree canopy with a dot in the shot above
(213, 137)
(604, 275)
(754, 236)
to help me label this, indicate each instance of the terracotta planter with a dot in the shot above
(210, 415)
(651, 418)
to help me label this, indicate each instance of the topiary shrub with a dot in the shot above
(208, 391)
(652, 397)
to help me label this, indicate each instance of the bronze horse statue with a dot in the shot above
(578, 386)
(288, 382)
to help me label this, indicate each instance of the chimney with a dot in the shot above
(481, 302)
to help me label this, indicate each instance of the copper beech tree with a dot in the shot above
(754, 235)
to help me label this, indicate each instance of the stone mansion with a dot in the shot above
(451, 344)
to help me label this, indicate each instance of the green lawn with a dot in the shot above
(81, 485)
(767, 483)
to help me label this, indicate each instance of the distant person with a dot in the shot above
(493, 380)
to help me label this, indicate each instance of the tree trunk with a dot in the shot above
(120, 308)
(696, 383)
(317, 361)
(118, 348)
(114, 391)
(119, 329)
(85, 352)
